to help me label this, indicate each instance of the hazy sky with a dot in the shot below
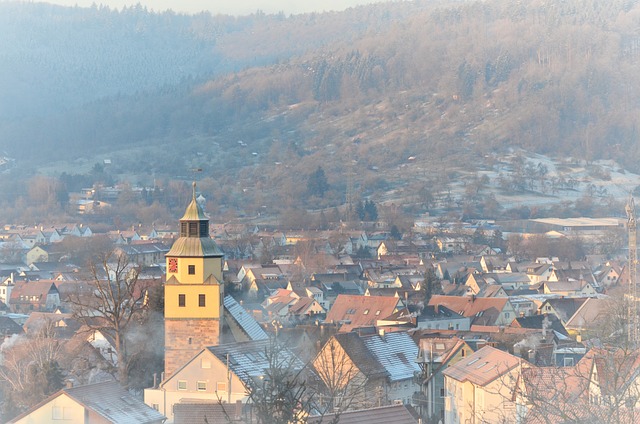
(237, 7)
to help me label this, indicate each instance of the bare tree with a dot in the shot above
(343, 386)
(280, 395)
(29, 369)
(116, 301)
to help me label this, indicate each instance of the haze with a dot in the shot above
(227, 6)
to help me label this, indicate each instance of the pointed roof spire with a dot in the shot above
(194, 212)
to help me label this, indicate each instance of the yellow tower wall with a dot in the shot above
(204, 268)
(213, 300)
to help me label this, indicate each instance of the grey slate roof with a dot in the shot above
(357, 350)
(396, 414)
(110, 401)
(114, 403)
(9, 326)
(244, 319)
(249, 360)
(396, 352)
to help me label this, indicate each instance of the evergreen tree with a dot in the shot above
(360, 211)
(317, 184)
(395, 232)
(370, 210)
(431, 285)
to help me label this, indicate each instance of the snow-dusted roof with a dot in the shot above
(250, 360)
(244, 319)
(109, 401)
(396, 352)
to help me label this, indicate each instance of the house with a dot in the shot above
(589, 316)
(368, 370)
(548, 323)
(481, 387)
(6, 286)
(8, 327)
(440, 317)
(563, 308)
(144, 253)
(101, 403)
(28, 296)
(602, 387)
(540, 272)
(607, 275)
(569, 288)
(351, 312)
(451, 245)
(223, 372)
(434, 356)
(63, 325)
(36, 254)
(482, 310)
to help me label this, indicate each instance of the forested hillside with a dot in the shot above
(442, 82)
(54, 57)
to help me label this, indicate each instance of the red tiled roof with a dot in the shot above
(361, 311)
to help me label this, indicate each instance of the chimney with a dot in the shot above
(155, 380)
(68, 383)
(381, 332)
(238, 409)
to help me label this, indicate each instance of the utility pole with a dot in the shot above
(632, 311)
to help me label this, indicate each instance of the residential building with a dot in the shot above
(365, 371)
(435, 355)
(101, 403)
(481, 388)
(222, 373)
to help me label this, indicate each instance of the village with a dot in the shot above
(451, 322)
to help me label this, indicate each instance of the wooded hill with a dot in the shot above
(359, 92)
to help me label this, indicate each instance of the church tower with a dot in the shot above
(193, 292)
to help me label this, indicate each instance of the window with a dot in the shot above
(377, 313)
(192, 269)
(366, 312)
(193, 229)
(221, 387)
(568, 362)
(155, 406)
(204, 229)
(182, 384)
(205, 363)
(442, 392)
(201, 386)
(190, 340)
(183, 229)
(57, 413)
(463, 353)
(182, 300)
(201, 300)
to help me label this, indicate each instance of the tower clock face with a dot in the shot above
(173, 265)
